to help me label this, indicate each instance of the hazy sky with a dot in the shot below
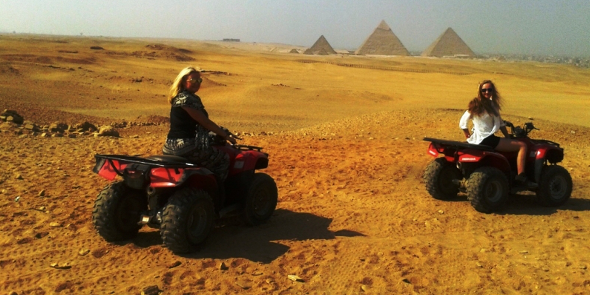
(494, 26)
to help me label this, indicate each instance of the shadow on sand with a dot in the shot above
(231, 239)
(527, 204)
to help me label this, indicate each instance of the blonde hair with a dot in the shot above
(177, 84)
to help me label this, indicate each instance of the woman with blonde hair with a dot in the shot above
(484, 111)
(190, 125)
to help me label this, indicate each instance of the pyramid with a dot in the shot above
(382, 42)
(321, 46)
(448, 44)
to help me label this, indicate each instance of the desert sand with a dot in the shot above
(344, 136)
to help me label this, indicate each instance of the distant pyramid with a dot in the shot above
(382, 42)
(448, 44)
(321, 46)
(294, 51)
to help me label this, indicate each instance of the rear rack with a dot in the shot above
(178, 161)
(247, 147)
(459, 144)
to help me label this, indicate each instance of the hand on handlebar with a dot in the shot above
(232, 138)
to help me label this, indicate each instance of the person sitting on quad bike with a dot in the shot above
(190, 125)
(484, 111)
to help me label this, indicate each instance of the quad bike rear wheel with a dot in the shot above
(261, 200)
(555, 186)
(487, 189)
(438, 178)
(117, 211)
(187, 220)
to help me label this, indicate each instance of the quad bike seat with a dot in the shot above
(459, 144)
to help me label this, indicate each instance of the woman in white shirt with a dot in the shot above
(484, 111)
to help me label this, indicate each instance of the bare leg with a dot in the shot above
(510, 145)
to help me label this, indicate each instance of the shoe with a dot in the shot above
(531, 185)
(520, 178)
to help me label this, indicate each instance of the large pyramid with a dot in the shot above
(448, 44)
(382, 42)
(321, 46)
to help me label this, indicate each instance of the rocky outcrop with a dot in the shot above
(11, 116)
(12, 122)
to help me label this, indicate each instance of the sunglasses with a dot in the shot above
(198, 80)
(486, 90)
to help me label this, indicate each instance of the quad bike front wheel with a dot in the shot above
(187, 220)
(117, 211)
(261, 200)
(487, 189)
(438, 178)
(555, 186)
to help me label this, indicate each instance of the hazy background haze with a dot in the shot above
(497, 26)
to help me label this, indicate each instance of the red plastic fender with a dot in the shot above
(171, 177)
(109, 171)
(491, 158)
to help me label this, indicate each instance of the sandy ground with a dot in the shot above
(344, 135)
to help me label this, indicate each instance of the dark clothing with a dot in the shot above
(187, 138)
(182, 125)
(491, 141)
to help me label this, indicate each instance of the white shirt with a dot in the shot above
(483, 126)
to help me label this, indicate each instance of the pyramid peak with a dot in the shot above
(383, 26)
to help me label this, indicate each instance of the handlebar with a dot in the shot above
(517, 131)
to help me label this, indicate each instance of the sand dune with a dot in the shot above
(346, 151)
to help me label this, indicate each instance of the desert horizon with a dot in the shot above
(344, 134)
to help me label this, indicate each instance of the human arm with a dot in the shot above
(463, 123)
(200, 117)
(505, 131)
(503, 127)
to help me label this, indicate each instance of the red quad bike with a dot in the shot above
(487, 176)
(180, 198)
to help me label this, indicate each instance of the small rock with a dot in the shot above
(151, 290)
(295, 278)
(441, 211)
(244, 284)
(17, 198)
(19, 177)
(222, 266)
(61, 265)
(55, 224)
(83, 252)
(364, 288)
(174, 264)
(42, 193)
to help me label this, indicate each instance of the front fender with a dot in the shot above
(543, 155)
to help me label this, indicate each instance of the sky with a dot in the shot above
(539, 27)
